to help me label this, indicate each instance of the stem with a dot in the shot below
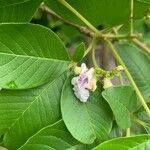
(120, 75)
(117, 57)
(128, 132)
(93, 53)
(141, 45)
(131, 18)
(121, 79)
(89, 49)
(142, 123)
(79, 16)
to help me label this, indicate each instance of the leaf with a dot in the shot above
(54, 136)
(18, 10)
(24, 113)
(115, 131)
(123, 102)
(34, 56)
(85, 121)
(99, 12)
(144, 1)
(138, 64)
(141, 118)
(79, 52)
(141, 142)
(2, 148)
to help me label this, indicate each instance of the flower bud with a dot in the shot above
(119, 68)
(107, 83)
(77, 70)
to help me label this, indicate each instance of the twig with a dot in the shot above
(82, 29)
(141, 45)
(131, 18)
(74, 11)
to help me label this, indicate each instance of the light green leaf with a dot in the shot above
(51, 137)
(24, 113)
(18, 10)
(99, 12)
(30, 55)
(138, 64)
(85, 121)
(79, 52)
(123, 102)
(141, 142)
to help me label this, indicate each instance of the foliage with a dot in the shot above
(42, 45)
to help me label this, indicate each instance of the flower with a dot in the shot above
(84, 83)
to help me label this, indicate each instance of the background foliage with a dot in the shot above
(41, 42)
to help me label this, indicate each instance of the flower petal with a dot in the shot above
(83, 68)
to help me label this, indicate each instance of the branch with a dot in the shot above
(82, 29)
(75, 12)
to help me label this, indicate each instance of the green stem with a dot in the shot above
(118, 58)
(88, 49)
(135, 119)
(141, 45)
(93, 53)
(128, 132)
(131, 18)
(80, 16)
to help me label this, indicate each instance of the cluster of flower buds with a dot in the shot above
(84, 82)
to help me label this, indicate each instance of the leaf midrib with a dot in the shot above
(8, 5)
(34, 57)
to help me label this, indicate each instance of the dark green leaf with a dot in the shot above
(18, 10)
(51, 137)
(100, 12)
(30, 55)
(79, 52)
(86, 121)
(24, 113)
(123, 102)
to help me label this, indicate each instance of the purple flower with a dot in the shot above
(84, 83)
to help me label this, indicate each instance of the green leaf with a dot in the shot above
(30, 55)
(141, 142)
(2, 148)
(18, 10)
(141, 118)
(24, 113)
(123, 102)
(99, 12)
(85, 121)
(54, 136)
(138, 64)
(144, 1)
(79, 52)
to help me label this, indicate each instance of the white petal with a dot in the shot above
(84, 95)
(90, 74)
(74, 80)
(83, 68)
